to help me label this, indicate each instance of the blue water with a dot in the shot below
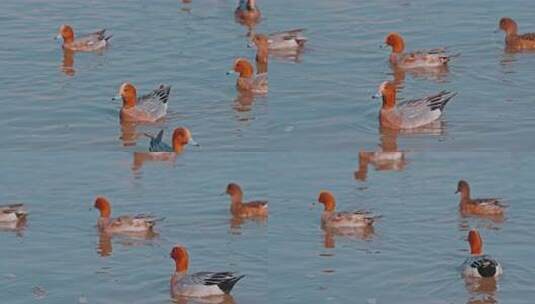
(64, 145)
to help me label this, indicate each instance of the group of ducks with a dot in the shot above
(407, 115)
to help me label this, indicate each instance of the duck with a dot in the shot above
(411, 113)
(181, 137)
(478, 206)
(343, 219)
(262, 53)
(141, 223)
(200, 284)
(247, 12)
(285, 40)
(418, 59)
(479, 265)
(513, 40)
(147, 108)
(247, 81)
(12, 213)
(241, 209)
(87, 43)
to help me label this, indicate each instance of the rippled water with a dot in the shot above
(63, 145)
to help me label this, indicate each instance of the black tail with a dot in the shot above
(440, 100)
(487, 270)
(227, 285)
(108, 38)
(163, 93)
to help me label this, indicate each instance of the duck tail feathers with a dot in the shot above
(227, 285)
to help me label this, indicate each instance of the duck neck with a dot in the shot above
(389, 100)
(262, 60)
(465, 194)
(330, 206)
(178, 147)
(236, 199)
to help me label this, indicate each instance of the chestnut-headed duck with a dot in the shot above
(147, 108)
(479, 265)
(478, 206)
(411, 113)
(12, 213)
(240, 209)
(247, 80)
(141, 223)
(513, 40)
(200, 284)
(262, 53)
(344, 219)
(247, 13)
(418, 59)
(286, 40)
(181, 137)
(86, 43)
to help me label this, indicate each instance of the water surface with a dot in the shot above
(63, 145)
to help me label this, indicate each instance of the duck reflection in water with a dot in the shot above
(360, 233)
(437, 74)
(67, 65)
(481, 290)
(387, 158)
(130, 239)
(247, 14)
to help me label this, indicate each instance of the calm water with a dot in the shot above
(63, 145)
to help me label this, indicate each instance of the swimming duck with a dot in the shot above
(122, 224)
(147, 108)
(87, 43)
(411, 113)
(479, 265)
(200, 284)
(332, 219)
(239, 208)
(12, 213)
(285, 40)
(247, 80)
(181, 137)
(418, 59)
(480, 206)
(247, 13)
(513, 40)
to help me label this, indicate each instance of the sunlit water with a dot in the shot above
(63, 145)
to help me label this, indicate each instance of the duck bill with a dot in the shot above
(231, 72)
(456, 192)
(193, 142)
(58, 37)
(377, 95)
(117, 98)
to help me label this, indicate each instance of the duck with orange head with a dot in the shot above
(331, 218)
(410, 114)
(199, 284)
(418, 59)
(480, 265)
(147, 108)
(86, 43)
(513, 40)
(141, 223)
